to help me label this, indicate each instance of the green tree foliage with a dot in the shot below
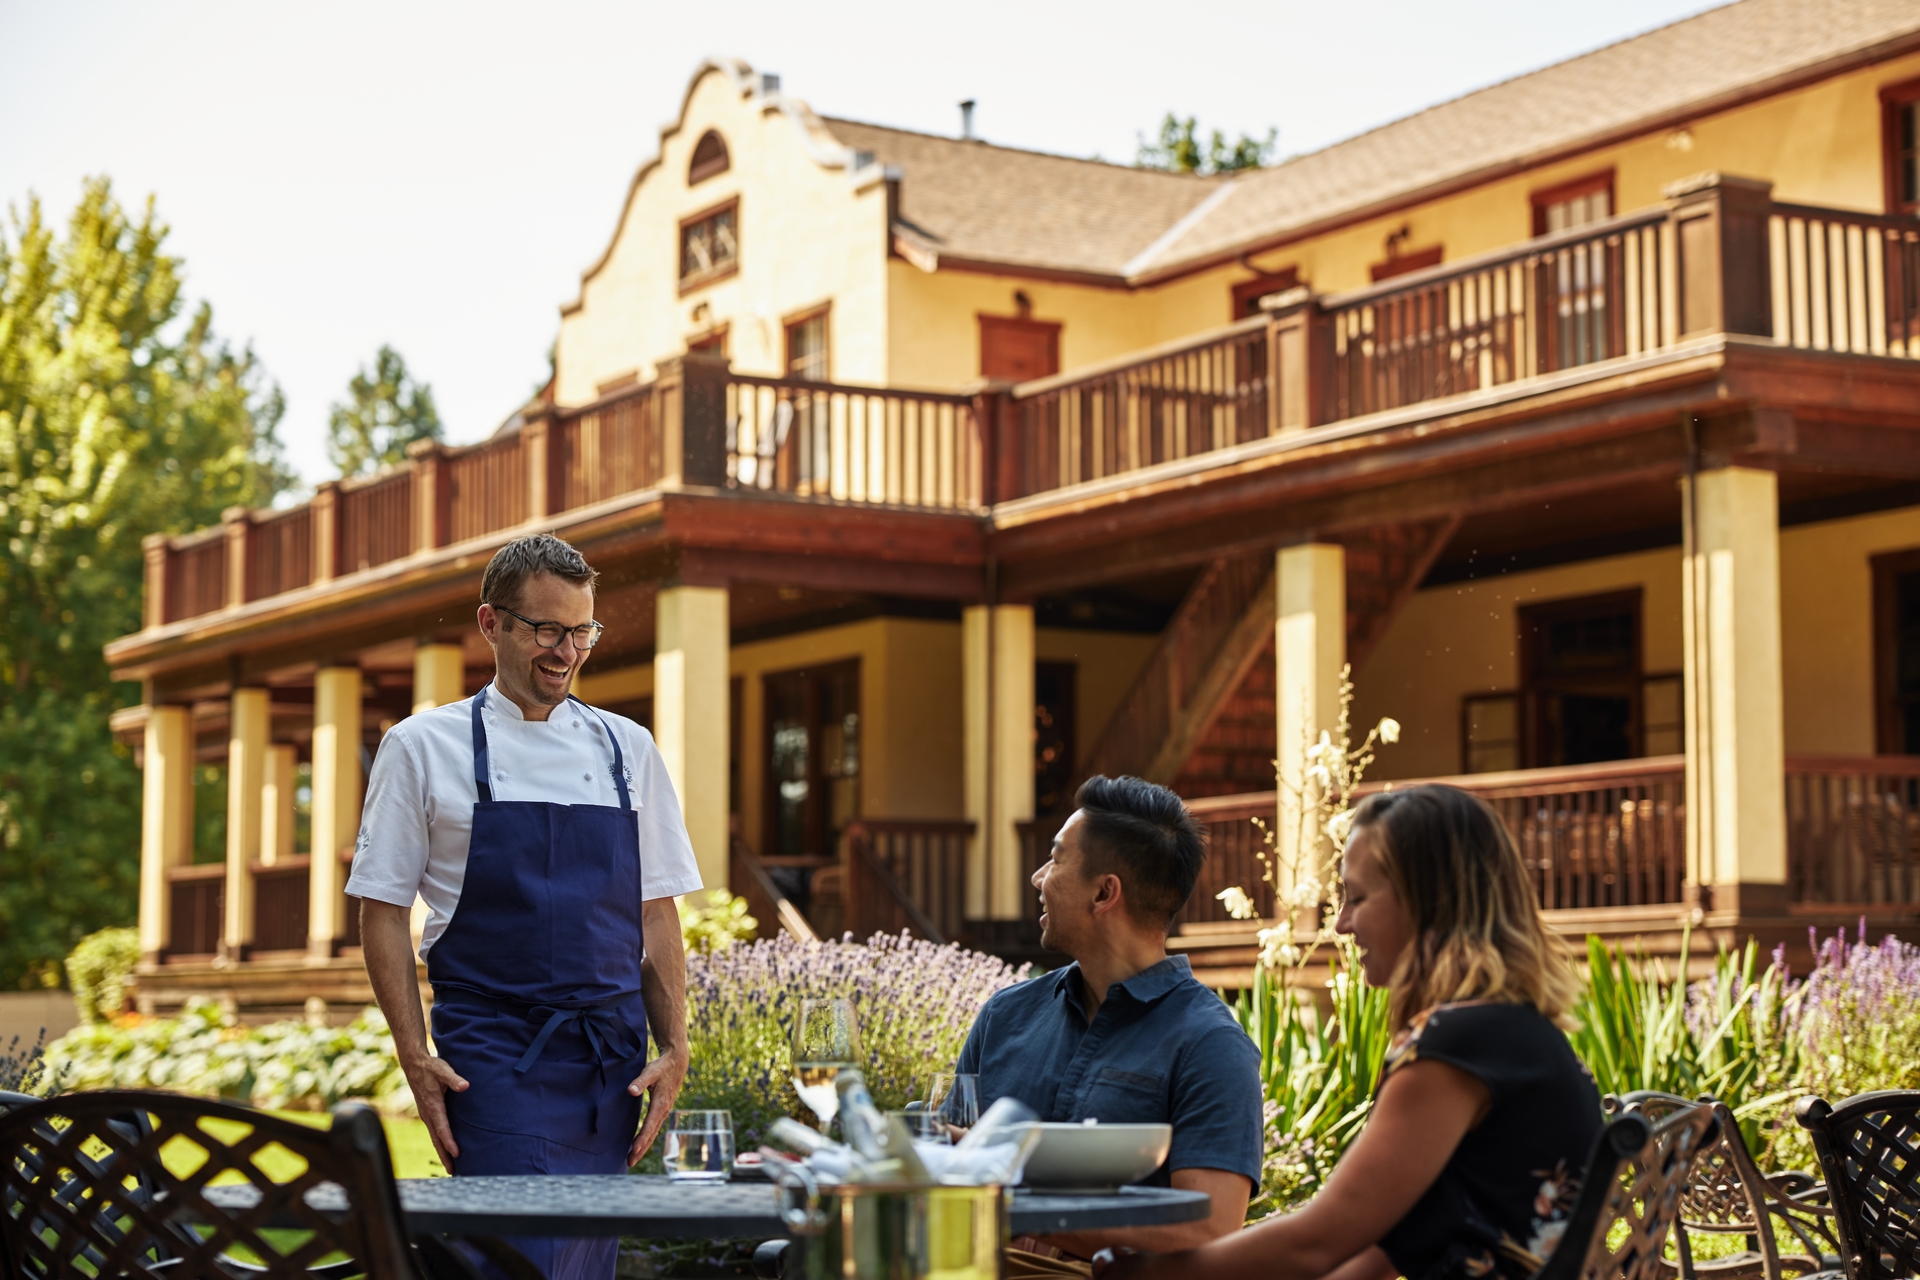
(121, 414)
(386, 410)
(1180, 150)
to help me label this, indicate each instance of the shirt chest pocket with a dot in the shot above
(1118, 1096)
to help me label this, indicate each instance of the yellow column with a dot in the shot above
(997, 742)
(439, 676)
(1736, 736)
(166, 818)
(247, 731)
(690, 715)
(1310, 649)
(336, 802)
(276, 806)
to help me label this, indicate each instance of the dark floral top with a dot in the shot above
(1503, 1199)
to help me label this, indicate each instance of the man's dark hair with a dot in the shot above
(513, 564)
(1143, 834)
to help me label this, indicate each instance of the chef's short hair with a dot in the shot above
(513, 564)
(1142, 833)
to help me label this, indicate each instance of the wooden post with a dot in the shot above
(154, 548)
(996, 692)
(1293, 399)
(1735, 717)
(1310, 649)
(1725, 267)
(999, 459)
(276, 806)
(432, 492)
(326, 530)
(691, 720)
(536, 457)
(439, 676)
(239, 526)
(693, 423)
(166, 819)
(248, 728)
(336, 802)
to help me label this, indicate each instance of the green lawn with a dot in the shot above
(407, 1140)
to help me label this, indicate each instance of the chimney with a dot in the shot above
(966, 120)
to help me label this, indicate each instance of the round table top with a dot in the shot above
(653, 1208)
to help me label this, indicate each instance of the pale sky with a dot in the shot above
(437, 176)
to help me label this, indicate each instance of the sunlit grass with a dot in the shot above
(407, 1142)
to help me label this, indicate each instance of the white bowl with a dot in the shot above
(1087, 1156)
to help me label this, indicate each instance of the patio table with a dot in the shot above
(653, 1208)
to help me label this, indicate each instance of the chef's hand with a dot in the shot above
(660, 1082)
(430, 1077)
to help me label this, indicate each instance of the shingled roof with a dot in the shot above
(982, 203)
(988, 204)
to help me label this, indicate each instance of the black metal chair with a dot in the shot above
(1869, 1149)
(1727, 1194)
(85, 1188)
(1636, 1175)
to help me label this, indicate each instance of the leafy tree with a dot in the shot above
(1179, 149)
(121, 414)
(385, 411)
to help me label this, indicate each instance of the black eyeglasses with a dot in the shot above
(549, 634)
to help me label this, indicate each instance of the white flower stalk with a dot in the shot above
(1238, 904)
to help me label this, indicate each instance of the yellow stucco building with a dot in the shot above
(1580, 415)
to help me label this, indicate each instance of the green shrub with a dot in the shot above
(716, 926)
(98, 970)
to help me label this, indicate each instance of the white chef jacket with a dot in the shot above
(418, 815)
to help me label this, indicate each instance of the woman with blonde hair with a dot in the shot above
(1483, 1117)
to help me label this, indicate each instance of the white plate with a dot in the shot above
(1086, 1156)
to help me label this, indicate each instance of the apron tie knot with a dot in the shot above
(605, 1031)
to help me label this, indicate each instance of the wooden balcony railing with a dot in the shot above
(908, 875)
(196, 902)
(1853, 830)
(852, 444)
(1719, 257)
(280, 905)
(1189, 397)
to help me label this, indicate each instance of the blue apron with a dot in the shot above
(536, 994)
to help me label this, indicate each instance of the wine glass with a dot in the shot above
(955, 1097)
(826, 1039)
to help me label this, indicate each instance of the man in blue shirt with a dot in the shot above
(1125, 1034)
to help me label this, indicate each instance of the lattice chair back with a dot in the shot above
(1636, 1175)
(1727, 1194)
(83, 1192)
(1869, 1148)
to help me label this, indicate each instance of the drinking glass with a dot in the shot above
(699, 1146)
(826, 1038)
(926, 1126)
(955, 1097)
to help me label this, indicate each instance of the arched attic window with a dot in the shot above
(709, 158)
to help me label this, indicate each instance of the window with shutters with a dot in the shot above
(710, 246)
(1573, 204)
(1016, 349)
(807, 345)
(709, 158)
(1900, 137)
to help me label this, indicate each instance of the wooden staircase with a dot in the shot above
(1200, 718)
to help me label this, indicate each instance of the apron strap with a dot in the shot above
(619, 762)
(480, 770)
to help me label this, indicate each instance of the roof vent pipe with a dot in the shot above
(966, 120)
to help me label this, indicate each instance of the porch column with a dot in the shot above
(166, 819)
(997, 744)
(1310, 649)
(247, 731)
(276, 805)
(336, 802)
(439, 676)
(690, 715)
(1736, 753)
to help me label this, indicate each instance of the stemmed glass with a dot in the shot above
(955, 1097)
(826, 1039)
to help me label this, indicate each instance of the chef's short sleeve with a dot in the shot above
(390, 855)
(667, 865)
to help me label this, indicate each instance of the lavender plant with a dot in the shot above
(915, 1002)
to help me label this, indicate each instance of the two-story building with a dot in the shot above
(1580, 415)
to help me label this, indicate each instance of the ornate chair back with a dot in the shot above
(1727, 1194)
(117, 1182)
(1636, 1175)
(1869, 1148)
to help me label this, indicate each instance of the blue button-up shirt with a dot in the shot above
(1161, 1050)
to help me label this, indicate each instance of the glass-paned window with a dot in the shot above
(1578, 211)
(1053, 738)
(1581, 680)
(710, 247)
(1906, 659)
(813, 758)
(807, 348)
(1906, 173)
